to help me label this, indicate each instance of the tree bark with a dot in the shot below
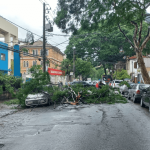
(141, 64)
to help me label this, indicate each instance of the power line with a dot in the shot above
(21, 52)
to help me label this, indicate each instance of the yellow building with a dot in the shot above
(53, 53)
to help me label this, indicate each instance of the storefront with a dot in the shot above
(57, 75)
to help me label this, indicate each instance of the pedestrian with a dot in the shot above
(97, 85)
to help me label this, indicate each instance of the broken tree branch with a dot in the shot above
(126, 36)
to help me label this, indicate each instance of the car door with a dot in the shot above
(132, 91)
(146, 97)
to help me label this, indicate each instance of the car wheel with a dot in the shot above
(142, 104)
(134, 99)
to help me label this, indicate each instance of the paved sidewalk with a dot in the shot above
(7, 110)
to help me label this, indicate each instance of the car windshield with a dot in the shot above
(143, 86)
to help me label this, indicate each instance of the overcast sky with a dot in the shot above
(29, 14)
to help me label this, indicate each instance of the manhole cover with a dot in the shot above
(1, 145)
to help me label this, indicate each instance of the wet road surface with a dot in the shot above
(84, 127)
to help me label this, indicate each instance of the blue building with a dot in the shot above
(3, 57)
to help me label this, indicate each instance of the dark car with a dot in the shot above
(85, 84)
(145, 100)
(137, 91)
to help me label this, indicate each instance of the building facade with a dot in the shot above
(52, 53)
(8, 31)
(3, 57)
(133, 69)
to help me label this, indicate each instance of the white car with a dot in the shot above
(115, 83)
(39, 98)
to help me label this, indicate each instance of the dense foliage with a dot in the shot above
(90, 95)
(9, 83)
(124, 83)
(121, 75)
(83, 68)
(108, 16)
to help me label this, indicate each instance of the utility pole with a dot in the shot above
(44, 50)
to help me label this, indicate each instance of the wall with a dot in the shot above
(4, 63)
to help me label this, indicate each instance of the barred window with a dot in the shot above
(27, 64)
(24, 64)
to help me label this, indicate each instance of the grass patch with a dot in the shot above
(10, 102)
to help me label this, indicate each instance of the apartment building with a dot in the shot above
(52, 53)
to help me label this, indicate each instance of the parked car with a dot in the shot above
(127, 79)
(40, 97)
(124, 88)
(127, 92)
(128, 95)
(137, 91)
(115, 83)
(145, 99)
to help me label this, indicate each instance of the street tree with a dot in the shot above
(121, 74)
(88, 14)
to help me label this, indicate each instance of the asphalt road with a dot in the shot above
(84, 127)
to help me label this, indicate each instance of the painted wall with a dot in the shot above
(4, 63)
(17, 61)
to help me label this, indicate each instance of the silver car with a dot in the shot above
(115, 83)
(127, 93)
(137, 91)
(38, 98)
(124, 89)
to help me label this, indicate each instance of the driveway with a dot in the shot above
(84, 127)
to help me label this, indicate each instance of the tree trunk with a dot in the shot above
(141, 64)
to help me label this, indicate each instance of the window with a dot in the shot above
(25, 53)
(34, 63)
(27, 64)
(24, 64)
(42, 63)
(33, 52)
(47, 53)
(41, 52)
(3, 57)
(36, 52)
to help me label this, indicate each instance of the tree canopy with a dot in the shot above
(108, 16)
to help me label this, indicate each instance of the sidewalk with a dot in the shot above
(7, 109)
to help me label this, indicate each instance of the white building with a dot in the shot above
(133, 69)
(8, 31)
